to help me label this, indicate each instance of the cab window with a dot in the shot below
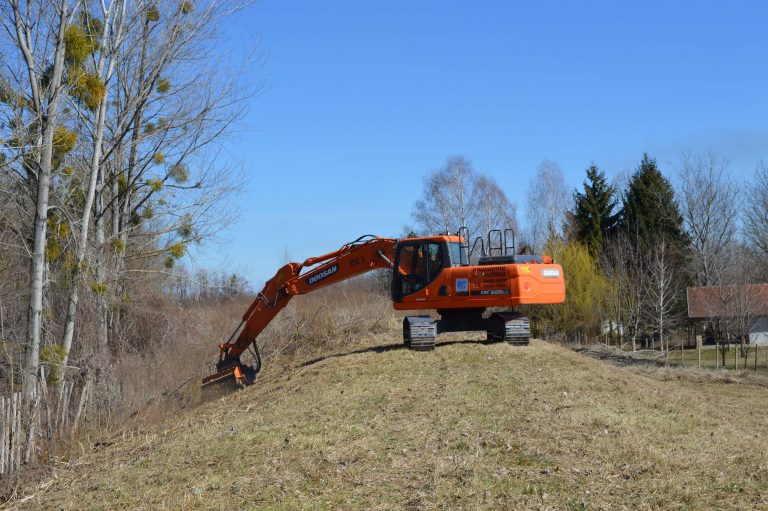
(435, 252)
(458, 255)
(416, 265)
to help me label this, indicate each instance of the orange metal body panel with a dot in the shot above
(507, 285)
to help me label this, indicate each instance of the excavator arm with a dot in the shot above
(360, 256)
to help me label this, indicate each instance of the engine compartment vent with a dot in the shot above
(509, 259)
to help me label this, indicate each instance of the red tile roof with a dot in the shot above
(725, 301)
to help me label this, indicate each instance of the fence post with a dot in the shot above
(12, 446)
(83, 398)
(19, 429)
(33, 419)
(698, 350)
(31, 433)
(59, 416)
(44, 393)
(7, 435)
(2, 435)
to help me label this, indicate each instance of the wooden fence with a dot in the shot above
(26, 428)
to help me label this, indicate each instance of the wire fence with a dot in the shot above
(731, 356)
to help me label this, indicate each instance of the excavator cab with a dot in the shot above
(418, 262)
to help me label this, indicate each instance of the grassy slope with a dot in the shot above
(468, 426)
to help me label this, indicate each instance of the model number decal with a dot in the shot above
(487, 292)
(323, 274)
(550, 273)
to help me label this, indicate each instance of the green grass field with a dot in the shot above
(468, 426)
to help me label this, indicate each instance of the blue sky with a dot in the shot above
(362, 99)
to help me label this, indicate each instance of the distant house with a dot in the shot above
(609, 327)
(727, 313)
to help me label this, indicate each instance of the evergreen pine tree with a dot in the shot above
(594, 215)
(650, 211)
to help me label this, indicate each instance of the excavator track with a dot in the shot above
(516, 329)
(419, 333)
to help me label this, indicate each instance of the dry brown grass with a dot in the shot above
(164, 375)
(468, 426)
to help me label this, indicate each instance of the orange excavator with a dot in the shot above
(431, 273)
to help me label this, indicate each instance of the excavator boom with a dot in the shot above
(360, 256)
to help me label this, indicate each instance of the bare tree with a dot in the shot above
(495, 211)
(110, 39)
(456, 196)
(756, 219)
(446, 203)
(150, 186)
(36, 29)
(709, 204)
(627, 271)
(662, 293)
(548, 201)
(614, 261)
(736, 303)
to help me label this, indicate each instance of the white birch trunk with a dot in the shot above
(48, 119)
(94, 174)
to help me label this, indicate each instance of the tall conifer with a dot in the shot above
(650, 212)
(595, 217)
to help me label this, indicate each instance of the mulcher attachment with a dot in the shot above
(231, 373)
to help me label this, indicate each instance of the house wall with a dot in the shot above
(758, 332)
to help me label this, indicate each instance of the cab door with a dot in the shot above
(416, 265)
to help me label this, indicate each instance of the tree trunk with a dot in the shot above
(95, 174)
(48, 120)
(85, 222)
(101, 272)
